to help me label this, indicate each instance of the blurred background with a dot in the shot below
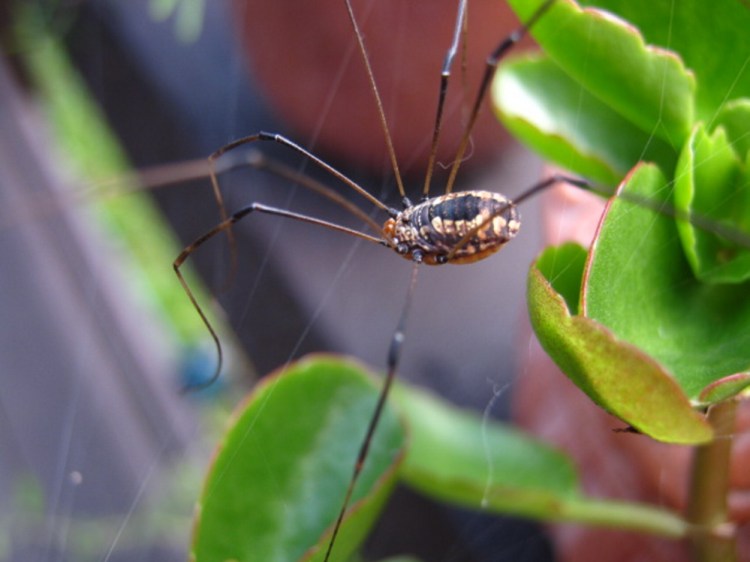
(101, 456)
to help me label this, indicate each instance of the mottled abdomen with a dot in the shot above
(455, 228)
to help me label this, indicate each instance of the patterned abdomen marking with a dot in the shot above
(438, 227)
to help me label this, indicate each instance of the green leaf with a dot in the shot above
(473, 461)
(460, 457)
(279, 476)
(713, 183)
(639, 284)
(648, 86)
(734, 118)
(725, 388)
(563, 268)
(613, 373)
(554, 115)
(680, 339)
(716, 53)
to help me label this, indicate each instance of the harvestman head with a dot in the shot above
(461, 227)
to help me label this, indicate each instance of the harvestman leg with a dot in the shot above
(394, 356)
(259, 161)
(280, 139)
(223, 227)
(300, 178)
(445, 75)
(491, 65)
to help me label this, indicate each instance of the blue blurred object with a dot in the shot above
(197, 366)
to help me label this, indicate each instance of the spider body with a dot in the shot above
(457, 228)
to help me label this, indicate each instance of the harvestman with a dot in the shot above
(455, 227)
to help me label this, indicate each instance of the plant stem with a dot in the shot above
(714, 539)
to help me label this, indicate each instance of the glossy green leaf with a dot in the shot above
(563, 268)
(725, 388)
(639, 284)
(460, 457)
(689, 339)
(712, 182)
(734, 118)
(710, 37)
(553, 114)
(649, 86)
(279, 477)
(615, 374)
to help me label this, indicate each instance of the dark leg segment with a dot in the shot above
(445, 75)
(394, 355)
(223, 227)
(279, 139)
(492, 62)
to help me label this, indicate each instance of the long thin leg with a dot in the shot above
(378, 101)
(492, 61)
(280, 139)
(223, 212)
(260, 161)
(223, 227)
(394, 356)
(445, 75)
